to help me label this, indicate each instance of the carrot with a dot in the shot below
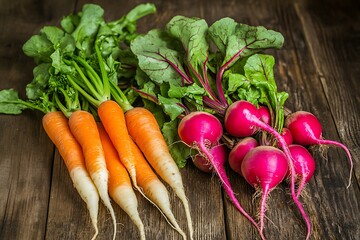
(120, 187)
(83, 126)
(145, 131)
(155, 190)
(144, 178)
(57, 128)
(113, 120)
(56, 125)
(98, 93)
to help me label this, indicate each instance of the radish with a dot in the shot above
(207, 127)
(286, 134)
(239, 151)
(307, 130)
(202, 131)
(304, 165)
(201, 162)
(265, 115)
(242, 119)
(264, 167)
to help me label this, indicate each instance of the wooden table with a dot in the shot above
(319, 66)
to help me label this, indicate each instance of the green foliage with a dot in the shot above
(206, 68)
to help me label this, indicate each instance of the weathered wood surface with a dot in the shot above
(319, 66)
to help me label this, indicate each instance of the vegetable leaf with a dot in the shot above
(171, 106)
(10, 102)
(35, 88)
(191, 32)
(85, 32)
(178, 150)
(259, 70)
(155, 53)
(39, 48)
(237, 40)
(195, 67)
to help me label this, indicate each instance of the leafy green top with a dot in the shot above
(190, 66)
(78, 63)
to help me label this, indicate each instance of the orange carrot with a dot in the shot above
(83, 126)
(143, 177)
(120, 187)
(57, 128)
(145, 131)
(154, 189)
(98, 93)
(113, 120)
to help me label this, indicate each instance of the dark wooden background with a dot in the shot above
(319, 66)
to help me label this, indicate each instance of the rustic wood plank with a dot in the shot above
(331, 34)
(26, 152)
(333, 37)
(25, 178)
(338, 206)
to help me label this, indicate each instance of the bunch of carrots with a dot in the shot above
(106, 143)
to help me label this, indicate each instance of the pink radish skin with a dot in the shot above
(202, 163)
(200, 127)
(242, 119)
(265, 114)
(264, 167)
(239, 119)
(306, 130)
(304, 165)
(239, 151)
(201, 130)
(286, 134)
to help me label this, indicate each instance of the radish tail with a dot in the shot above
(226, 184)
(301, 186)
(265, 193)
(330, 142)
(257, 122)
(294, 196)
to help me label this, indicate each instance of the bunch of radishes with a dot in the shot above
(206, 72)
(263, 166)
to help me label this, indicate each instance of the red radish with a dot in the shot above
(304, 165)
(242, 119)
(264, 167)
(207, 127)
(239, 151)
(201, 131)
(307, 130)
(201, 162)
(286, 134)
(265, 115)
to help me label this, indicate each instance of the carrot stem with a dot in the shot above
(88, 97)
(93, 89)
(105, 79)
